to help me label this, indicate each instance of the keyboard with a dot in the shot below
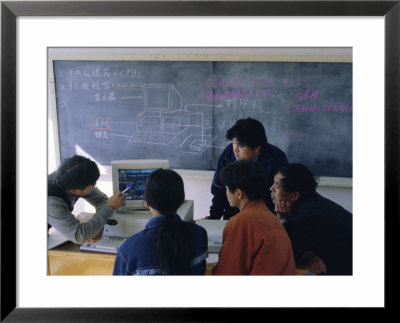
(105, 244)
(214, 243)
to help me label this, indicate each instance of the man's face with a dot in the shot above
(82, 192)
(277, 191)
(243, 152)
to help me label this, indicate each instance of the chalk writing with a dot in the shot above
(108, 96)
(290, 82)
(181, 111)
(99, 72)
(101, 134)
(234, 94)
(265, 93)
(215, 82)
(101, 123)
(266, 81)
(333, 108)
(99, 85)
(307, 95)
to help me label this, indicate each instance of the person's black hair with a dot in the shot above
(298, 178)
(77, 172)
(248, 132)
(246, 175)
(164, 192)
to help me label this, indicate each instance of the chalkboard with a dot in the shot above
(180, 110)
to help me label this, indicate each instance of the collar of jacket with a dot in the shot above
(158, 220)
(253, 204)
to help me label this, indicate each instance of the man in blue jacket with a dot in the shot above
(249, 142)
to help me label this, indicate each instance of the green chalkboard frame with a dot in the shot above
(10, 10)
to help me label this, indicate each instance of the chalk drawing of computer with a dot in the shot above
(200, 122)
(163, 118)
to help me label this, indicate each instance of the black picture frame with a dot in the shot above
(10, 10)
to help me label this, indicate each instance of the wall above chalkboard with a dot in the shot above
(180, 110)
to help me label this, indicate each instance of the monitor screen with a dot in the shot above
(129, 176)
(131, 182)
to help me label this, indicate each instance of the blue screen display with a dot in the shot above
(133, 180)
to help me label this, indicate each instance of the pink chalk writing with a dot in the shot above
(292, 82)
(312, 108)
(238, 94)
(307, 95)
(265, 93)
(214, 82)
(228, 94)
(240, 82)
(338, 108)
(266, 81)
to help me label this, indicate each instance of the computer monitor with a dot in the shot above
(131, 175)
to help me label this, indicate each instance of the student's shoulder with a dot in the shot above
(274, 150)
(309, 210)
(227, 154)
(315, 204)
(56, 202)
(197, 229)
(135, 241)
(253, 215)
(238, 220)
(195, 226)
(331, 210)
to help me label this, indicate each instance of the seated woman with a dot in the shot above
(168, 245)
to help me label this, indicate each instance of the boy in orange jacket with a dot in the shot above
(254, 240)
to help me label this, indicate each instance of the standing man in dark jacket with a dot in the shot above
(320, 230)
(249, 142)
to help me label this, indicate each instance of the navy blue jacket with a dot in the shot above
(138, 255)
(325, 228)
(272, 159)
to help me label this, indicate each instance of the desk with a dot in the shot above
(68, 260)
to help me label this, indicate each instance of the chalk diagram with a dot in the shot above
(165, 120)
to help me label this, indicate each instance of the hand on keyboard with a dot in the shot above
(96, 238)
